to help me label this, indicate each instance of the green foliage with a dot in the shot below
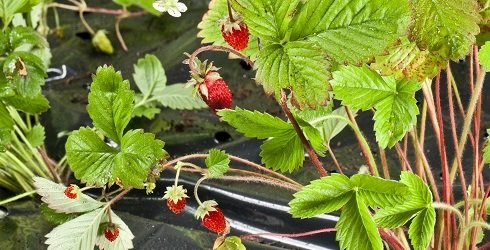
(435, 27)
(123, 241)
(419, 205)
(217, 163)
(354, 196)
(54, 217)
(151, 80)
(144, 4)
(36, 135)
(110, 102)
(282, 151)
(232, 243)
(6, 127)
(484, 56)
(394, 101)
(8, 8)
(33, 105)
(486, 149)
(91, 159)
(25, 73)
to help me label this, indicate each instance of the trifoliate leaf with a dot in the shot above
(217, 163)
(123, 241)
(421, 229)
(484, 56)
(284, 153)
(351, 31)
(232, 243)
(356, 229)
(96, 163)
(79, 233)
(406, 60)
(210, 31)
(54, 217)
(321, 196)
(176, 96)
(25, 72)
(53, 195)
(110, 102)
(36, 135)
(6, 127)
(486, 149)
(33, 105)
(447, 27)
(255, 124)
(298, 65)
(379, 193)
(149, 75)
(360, 87)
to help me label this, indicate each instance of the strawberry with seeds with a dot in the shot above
(234, 30)
(176, 198)
(71, 191)
(212, 217)
(111, 233)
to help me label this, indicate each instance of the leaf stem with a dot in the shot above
(215, 48)
(290, 235)
(314, 157)
(196, 187)
(262, 180)
(230, 12)
(17, 197)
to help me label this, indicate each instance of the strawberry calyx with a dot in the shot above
(175, 193)
(204, 209)
(229, 26)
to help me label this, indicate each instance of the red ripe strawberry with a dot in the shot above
(215, 92)
(215, 221)
(235, 34)
(176, 198)
(212, 217)
(176, 207)
(71, 192)
(111, 233)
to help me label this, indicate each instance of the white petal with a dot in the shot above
(174, 12)
(158, 5)
(181, 7)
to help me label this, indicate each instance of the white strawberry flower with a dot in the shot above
(173, 7)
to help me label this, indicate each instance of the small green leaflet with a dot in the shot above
(484, 56)
(217, 163)
(124, 240)
(6, 127)
(54, 217)
(435, 27)
(486, 149)
(96, 163)
(418, 206)
(232, 243)
(8, 8)
(19, 36)
(36, 135)
(394, 101)
(79, 233)
(33, 105)
(353, 195)
(211, 32)
(177, 96)
(25, 72)
(149, 75)
(110, 102)
(53, 195)
(282, 151)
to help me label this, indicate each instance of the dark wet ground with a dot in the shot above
(251, 208)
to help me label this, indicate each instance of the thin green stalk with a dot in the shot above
(196, 187)
(469, 227)
(20, 196)
(427, 168)
(467, 123)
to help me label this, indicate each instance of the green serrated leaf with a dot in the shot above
(284, 153)
(259, 17)
(379, 193)
(19, 36)
(328, 122)
(211, 32)
(406, 60)
(79, 233)
(434, 27)
(421, 230)
(232, 243)
(325, 195)
(217, 163)
(8, 8)
(25, 72)
(149, 75)
(255, 124)
(484, 56)
(486, 149)
(351, 31)
(33, 105)
(54, 217)
(110, 102)
(314, 136)
(176, 96)
(361, 87)
(356, 229)
(36, 135)
(6, 127)
(148, 112)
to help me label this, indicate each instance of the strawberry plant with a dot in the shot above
(324, 62)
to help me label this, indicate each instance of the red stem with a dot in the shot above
(391, 239)
(314, 158)
(215, 48)
(293, 235)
